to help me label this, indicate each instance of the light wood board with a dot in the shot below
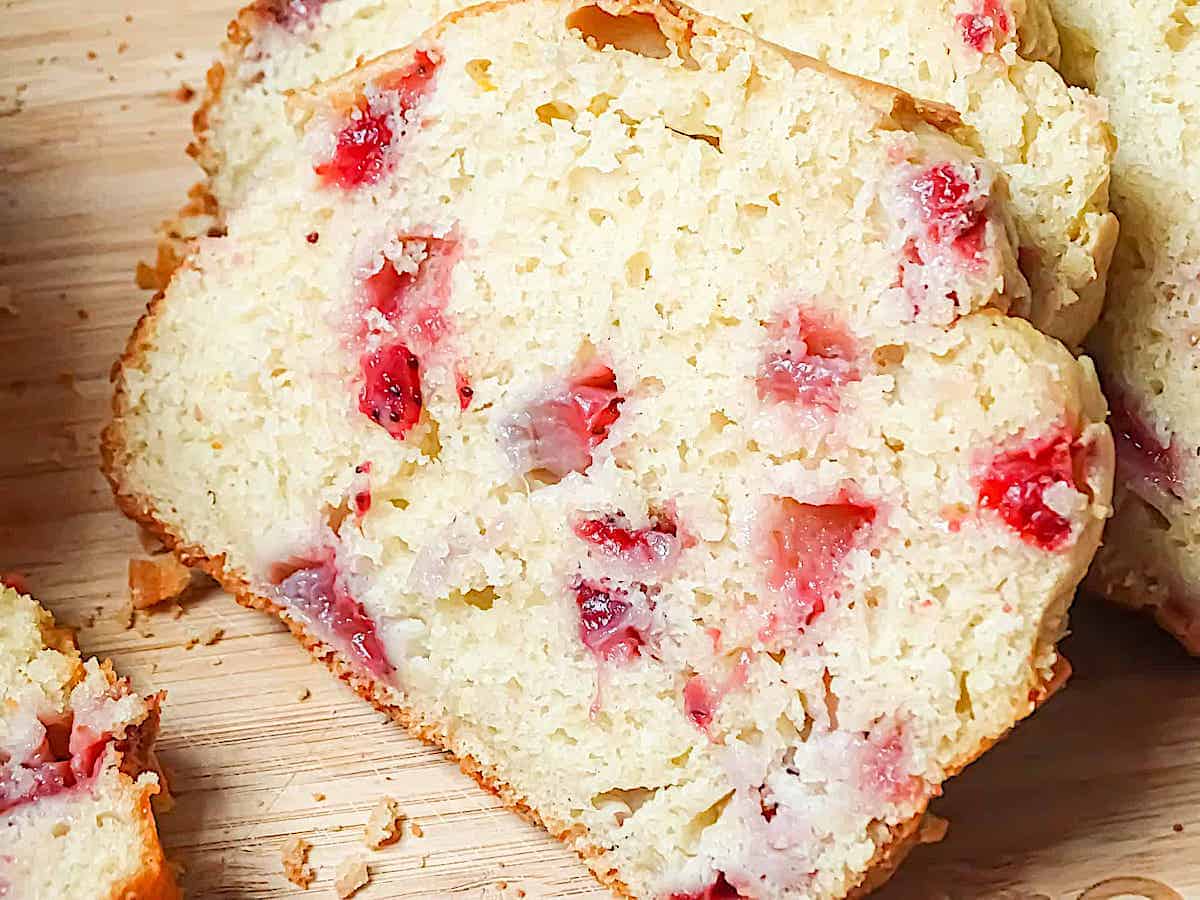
(1105, 781)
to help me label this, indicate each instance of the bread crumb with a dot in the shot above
(295, 862)
(217, 661)
(1177, 828)
(385, 825)
(415, 827)
(319, 797)
(91, 54)
(352, 876)
(151, 581)
(185, 93)
(211, 635)
(128, 615)
(303, 694)
(424, 861)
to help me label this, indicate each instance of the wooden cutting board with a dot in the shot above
(1104, 782)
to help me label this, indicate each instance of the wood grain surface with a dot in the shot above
(1103, 782)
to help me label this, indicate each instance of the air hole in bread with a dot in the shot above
(634, 32)
(1182, 29)
(480, 599)
(555, 109)
(623, 803)
(703, 820)
(477, 71)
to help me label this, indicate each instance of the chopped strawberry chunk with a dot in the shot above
(86, 747)
(314, 589)
(720, 889)
(699, 703)
(1150, 469)
(414, 299)
(1015, 486)
(362, 490)
(391, 391)
(885, 774)
(610, 625)
(466, 393)
(805, 546)
(811, 359)
(952, 207)
(558, 434)
(69, 755)
(649, 546)
(291, 14)
(360, 156)
(985, 29)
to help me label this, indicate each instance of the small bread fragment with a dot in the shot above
(385, 825)
(294, 857)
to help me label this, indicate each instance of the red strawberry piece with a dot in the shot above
(985, 28)
(804, 548)
(699, 703)
(952, 207)
(650, 546)
(315, 590)
(609, 623)
(1015, 483)
(291, 14)
(557, 435)
(360, 156)
(1146, 465)
(391, 391)
(885, 773)
(720, 889)
(811, 359)
(414, 302)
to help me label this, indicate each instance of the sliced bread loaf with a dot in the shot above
(1051, 141)
(627, 405)
(75, 775)
(1144, 58)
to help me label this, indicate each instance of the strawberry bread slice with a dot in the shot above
(75, 770)
(1145, 59)
(628, 406)
(987, 58)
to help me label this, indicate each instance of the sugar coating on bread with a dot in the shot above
(1144, 59)
(75, 819)
(1051, 141)
(644, 426)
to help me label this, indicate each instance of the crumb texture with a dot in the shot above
(641, 382)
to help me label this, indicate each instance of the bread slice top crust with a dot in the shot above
(990, 63)
(630, 402)
(75, 779)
